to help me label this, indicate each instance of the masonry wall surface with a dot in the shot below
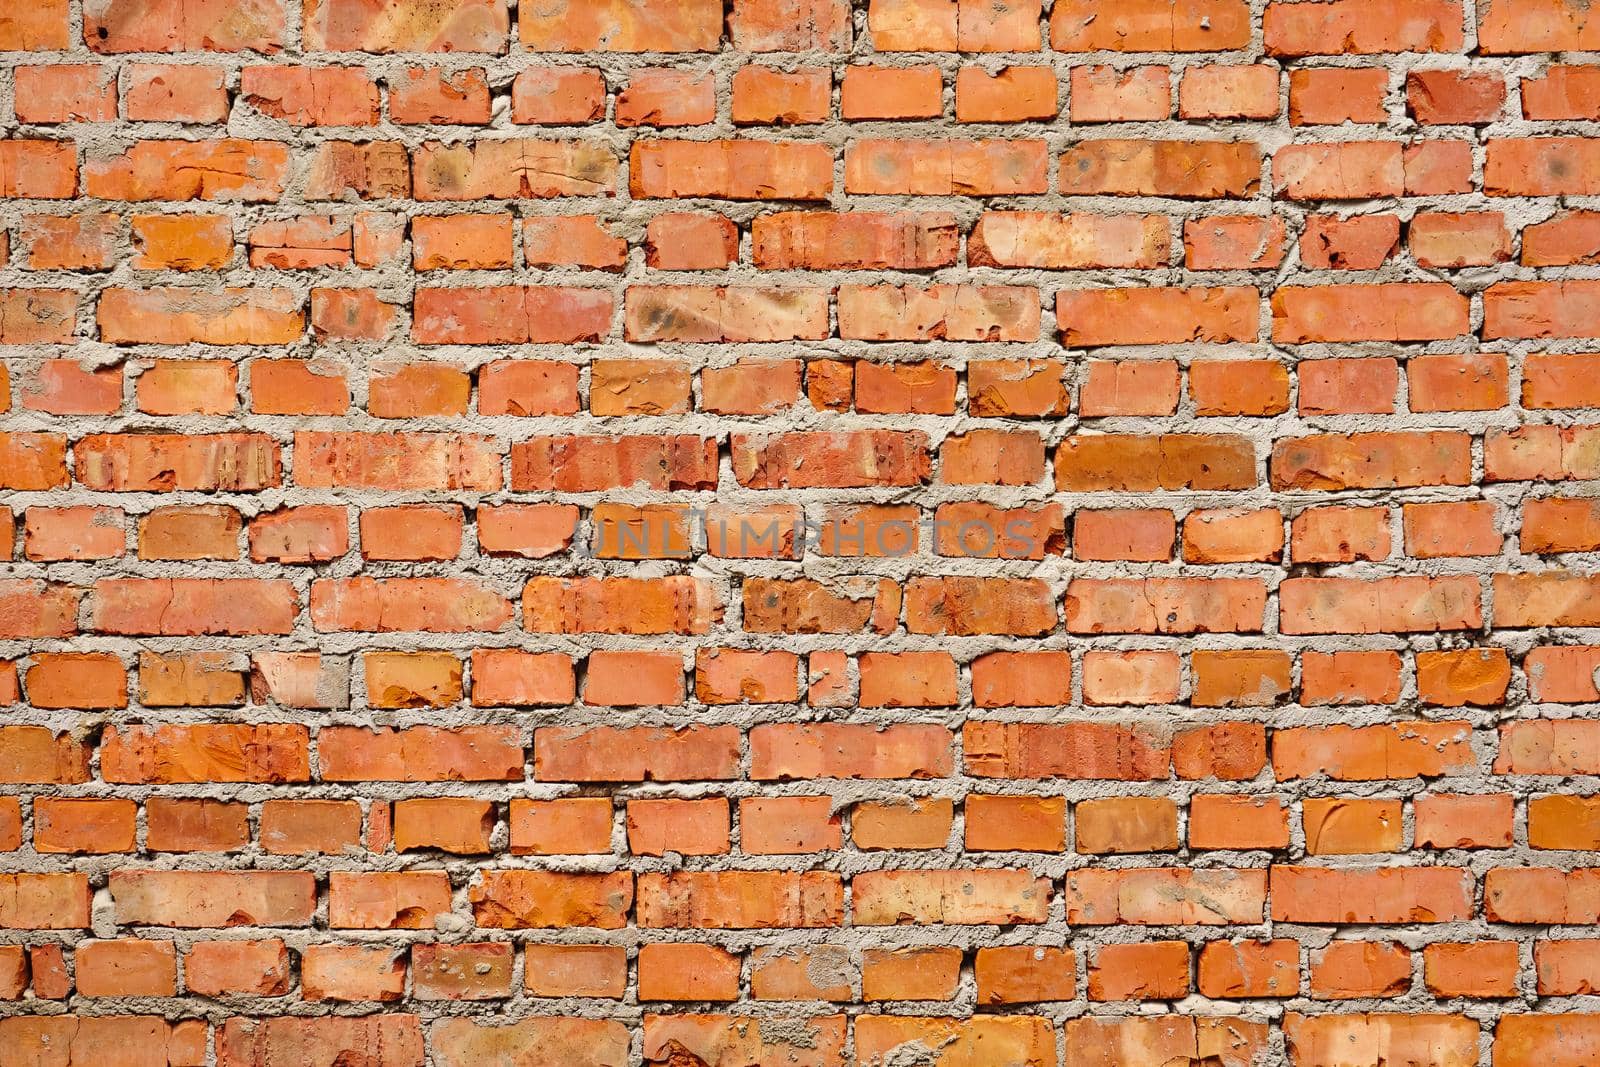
(795, 533)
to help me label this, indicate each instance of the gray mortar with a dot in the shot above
(395, 281)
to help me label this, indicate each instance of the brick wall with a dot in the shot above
(795, 533)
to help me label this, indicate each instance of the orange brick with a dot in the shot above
(1353, 969)
(906, 823)
(1334, 95)
(558, 96)
(1238, 969)
(61, 825)
(891, 92)
(1463, 821)
(1024, 974)
(1481, 969)
(174, 825)
(559, 827)
(688, 827)
(686, 971)
(1109, 94)
(1241, 678)
(1015, 824)
(1011, 94)
(575, 970)
(788, 825)
(291, 827)
(1351, 826)
(1157, 970)
(1126, 824)
(1468, 676)
(1229, 92)
(126, 968)
(1350, 678)
(1228, 821)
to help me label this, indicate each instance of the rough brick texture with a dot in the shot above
(799, 533)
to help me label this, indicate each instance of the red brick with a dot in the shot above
(1458, 383)
(510, 315)
(1165, 896)
(575, 970)
(1372, 753)
(731, 170)
(41, 26)
(512, 169)
(297, 387)
(1463, 821)
(605, 754)
(580, 241)
(868, 92)
(1011, 94)
(1149, 26)
(63, 825)
(459, 25)
(1451, 97)
(1151, 316)
(1518, 26)
(314, 96)
(906, 25)
(1352, 826)
(461, 242)
(390, 1038)
(73, 533)
(126, 968)
(788, 825)
(346, 972)
(577, 825)
(1189, 170)
(69, 242)
(1086, 750)
(1330, 96)
(1109, 94)
(1129, 387)
(1565, 967)
(1164, 605)
(790, 25)
(251, 171)
(1363, 242)
(198, 899)
(558, 96)
(1228, 92)
(1359, 27)
(1239, 678)
(1371, 460)
(1372, 895)
(515, 899)
(188, 387)
(910, 974)
(254, 968)
(1142, 463)
(432, 95)
(529, 596)
(170, 93)
(1130, 677)
(945, 168)
(617, 26)
(1157, 970)
(419, 754)
(119, 1039)
(1231, 821)
(1325, 1039)
(686, 971)
(765, 96)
